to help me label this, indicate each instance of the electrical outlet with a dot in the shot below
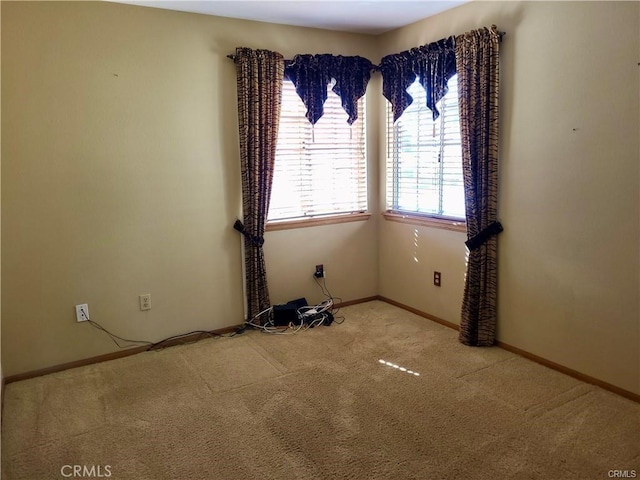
(319, 273)
(145, 301)
(82, 312)
(437, 279)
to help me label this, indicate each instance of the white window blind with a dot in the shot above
(424, 157)
(319, 169)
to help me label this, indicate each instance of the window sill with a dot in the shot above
(446, 224)
(315, 221)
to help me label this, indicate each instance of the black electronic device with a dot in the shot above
(284, 314)
(328, 319)
(298, 302)
(287, 313)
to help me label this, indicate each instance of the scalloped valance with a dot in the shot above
(432, 64)
(312, 73)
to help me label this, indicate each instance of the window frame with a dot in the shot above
(428, 219)
(338, 217)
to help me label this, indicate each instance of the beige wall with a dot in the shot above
(121, 177)
(569, 179)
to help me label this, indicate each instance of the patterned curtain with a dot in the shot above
(434, 64)
(312, 73)
(397, 75)
(259, 80)
(352, 74)
(477, 68)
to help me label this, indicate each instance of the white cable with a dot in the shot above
(272, 329)
(250, 322)
(304, 313)
(315, 309)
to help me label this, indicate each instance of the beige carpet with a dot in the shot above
(320, 405)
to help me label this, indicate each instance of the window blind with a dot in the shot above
(319, 169)
(424, 157)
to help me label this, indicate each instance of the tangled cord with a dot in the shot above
(309, 316)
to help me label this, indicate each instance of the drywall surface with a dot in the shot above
(569, 186)
(350, 265)
(121, 177)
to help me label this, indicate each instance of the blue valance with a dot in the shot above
(433, 64)
(312, 73)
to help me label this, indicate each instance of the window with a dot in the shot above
(424, 158)
(319, 169)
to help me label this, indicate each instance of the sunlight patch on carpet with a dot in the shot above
(398, 367)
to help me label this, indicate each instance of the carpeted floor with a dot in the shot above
(322, 404)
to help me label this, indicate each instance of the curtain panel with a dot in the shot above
(478, 69)
(259, 76)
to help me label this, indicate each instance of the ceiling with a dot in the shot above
(366, 16)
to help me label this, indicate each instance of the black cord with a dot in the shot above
(151, 345)
(207, 333)
(327, 293)
(115, 338)
(323, 287)
(111, 335)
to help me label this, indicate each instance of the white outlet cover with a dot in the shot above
(80, 316)
(145, 301)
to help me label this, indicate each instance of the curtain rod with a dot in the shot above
(500, 35)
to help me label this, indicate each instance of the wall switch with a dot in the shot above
(437, 279)
(82, 312)
(145, 301)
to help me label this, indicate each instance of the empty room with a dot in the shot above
(320, 240)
